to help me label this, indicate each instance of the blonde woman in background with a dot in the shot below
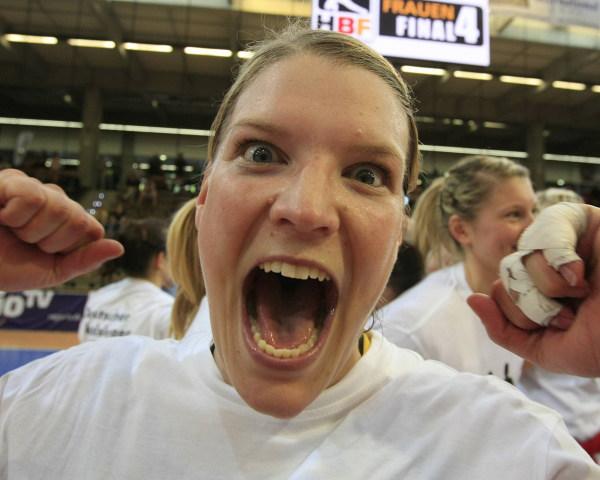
(475, 213)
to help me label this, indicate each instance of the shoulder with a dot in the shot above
(473, 422)
(145, 295)
(428, 382)
(435, 293)
(81, 373)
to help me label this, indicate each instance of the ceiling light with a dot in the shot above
(147, 47)
(87, 43)
(244, 54)
(440, 72)
(18, 38)
(472, 151)
(31, 122)
(208, 52)
(569, 85)
(422, 119)
(147, 129)
(534, 82)
(472, 75)
(494, 125)
(595, 88)
(571, 158)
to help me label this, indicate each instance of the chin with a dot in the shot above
(279, 401)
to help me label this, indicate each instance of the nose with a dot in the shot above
(307, 203)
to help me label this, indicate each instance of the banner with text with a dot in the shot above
(41, 309)
(448, 31)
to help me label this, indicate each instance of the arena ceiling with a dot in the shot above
(179, 90)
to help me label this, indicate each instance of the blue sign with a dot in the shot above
(41, 310)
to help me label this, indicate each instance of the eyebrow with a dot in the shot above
(258, 125)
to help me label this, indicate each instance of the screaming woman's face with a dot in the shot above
(301, 217)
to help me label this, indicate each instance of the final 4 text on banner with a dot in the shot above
(449, 31)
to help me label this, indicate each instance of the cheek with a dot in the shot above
(381, 233)
(512, 234)
(220, 224)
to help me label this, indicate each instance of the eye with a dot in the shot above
(260, 153)
(371, 175)
(515, 214)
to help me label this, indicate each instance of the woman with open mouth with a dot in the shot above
(300, 215)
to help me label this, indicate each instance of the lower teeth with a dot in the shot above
(283, 352)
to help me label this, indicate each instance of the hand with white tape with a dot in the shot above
(549, 312)
(555, 233)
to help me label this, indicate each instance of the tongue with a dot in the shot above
(286, 309)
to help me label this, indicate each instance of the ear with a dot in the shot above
(460, 230)
(160, 260)
(201, 199)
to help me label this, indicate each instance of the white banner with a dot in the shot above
(449, 31)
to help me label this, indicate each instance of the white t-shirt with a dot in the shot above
(434, 319)
(200, 326)
(136, 408)
(131, 306)
(577, 399)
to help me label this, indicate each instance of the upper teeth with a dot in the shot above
(301, 272)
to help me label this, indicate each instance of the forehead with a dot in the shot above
(512, 190)
(314, 92)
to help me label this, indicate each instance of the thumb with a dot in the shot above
(573, 273)
(86, 259)
(489, 313)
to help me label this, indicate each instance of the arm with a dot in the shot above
(45, 237)
(571, 342)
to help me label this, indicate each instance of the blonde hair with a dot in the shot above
(550, 196)
(182, 251)
(461, 191)
(340, 49)
(426, 230)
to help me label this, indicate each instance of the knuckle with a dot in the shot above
(26, 234)
(34, 199)
(55, 187)
(80, 225)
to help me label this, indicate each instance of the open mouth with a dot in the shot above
(289, 307)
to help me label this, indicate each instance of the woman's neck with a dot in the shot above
(478, 278)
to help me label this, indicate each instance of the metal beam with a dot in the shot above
(110, 23)
(560, 69)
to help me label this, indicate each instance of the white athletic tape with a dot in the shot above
(533, 304)
(555, 232)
